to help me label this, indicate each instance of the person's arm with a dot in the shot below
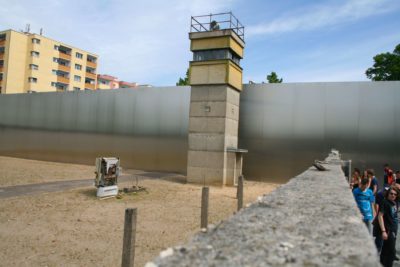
(382, 226)
(375, 188)
(373, 210)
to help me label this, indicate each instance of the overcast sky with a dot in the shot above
(147, 41)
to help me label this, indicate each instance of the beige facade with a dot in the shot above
(33, 63)
(216, 58)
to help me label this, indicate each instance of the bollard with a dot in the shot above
(204, 207)
(128, 248)
(350, 173)
(239, 192)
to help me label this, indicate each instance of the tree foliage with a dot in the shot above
(273, 78)
(184, 81)
(386, 66)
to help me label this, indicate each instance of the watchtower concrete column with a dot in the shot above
(215, 76)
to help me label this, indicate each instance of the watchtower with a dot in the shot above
(215, 75)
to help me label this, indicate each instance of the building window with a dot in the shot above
(35, 41)
(2, 50)
(78, 55)
(53, 84)
(33, 67)
(55, 59)
(1, 63)
(35, 54)
(56, 47)
(77, 78)
(54, 72)
(215, 54)
(78, 67)
(1, 76)
(91, 59)
(32, 80)
(77, 89)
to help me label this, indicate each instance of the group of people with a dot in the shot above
(379, 208)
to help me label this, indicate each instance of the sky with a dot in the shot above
(147, 41)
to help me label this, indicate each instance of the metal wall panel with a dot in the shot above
(146, 127)
(284, 126)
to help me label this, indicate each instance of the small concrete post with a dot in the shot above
(239, 193)
(350, 174)
(128, 249)
(204, 207)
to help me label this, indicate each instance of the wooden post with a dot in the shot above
(239, 193)
(128, 249)
(204, 207)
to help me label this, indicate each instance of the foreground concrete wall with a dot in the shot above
(313, 220)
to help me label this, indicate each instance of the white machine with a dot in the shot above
(107, 172)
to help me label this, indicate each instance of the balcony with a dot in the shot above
(2, 42)
(91, 64)
(91, 75)
(62, 79)
(64, 56)
(64, 68)
(90, 86)
(1, 68)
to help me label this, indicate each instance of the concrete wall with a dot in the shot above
(313, 220)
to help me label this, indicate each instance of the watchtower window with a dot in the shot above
(215, 54)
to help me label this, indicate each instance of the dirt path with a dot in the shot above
(74, 228)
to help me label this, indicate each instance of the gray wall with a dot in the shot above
(287, 126)
(284, 126)
(146, 128)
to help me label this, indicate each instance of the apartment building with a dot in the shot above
(105, 82)
(33, 63)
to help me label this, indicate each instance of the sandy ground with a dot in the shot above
(24, 171)
(74, 228)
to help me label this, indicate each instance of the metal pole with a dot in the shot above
(204, 207)
(128, 248)
(240, 192)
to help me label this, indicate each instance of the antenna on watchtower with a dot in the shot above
(41, 31)
(27, 28)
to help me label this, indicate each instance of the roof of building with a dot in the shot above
(42, 36)
(107, 77)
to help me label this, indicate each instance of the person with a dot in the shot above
(365, 201)
(397, 177)
(386, 168)
(355, 179)
(380, 196)
(389, 178)
(388, 220)
(373, 182)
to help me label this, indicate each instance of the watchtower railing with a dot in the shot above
(220, 21)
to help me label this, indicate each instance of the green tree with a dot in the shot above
(184, 81)
(273, 78)
(386, 66)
